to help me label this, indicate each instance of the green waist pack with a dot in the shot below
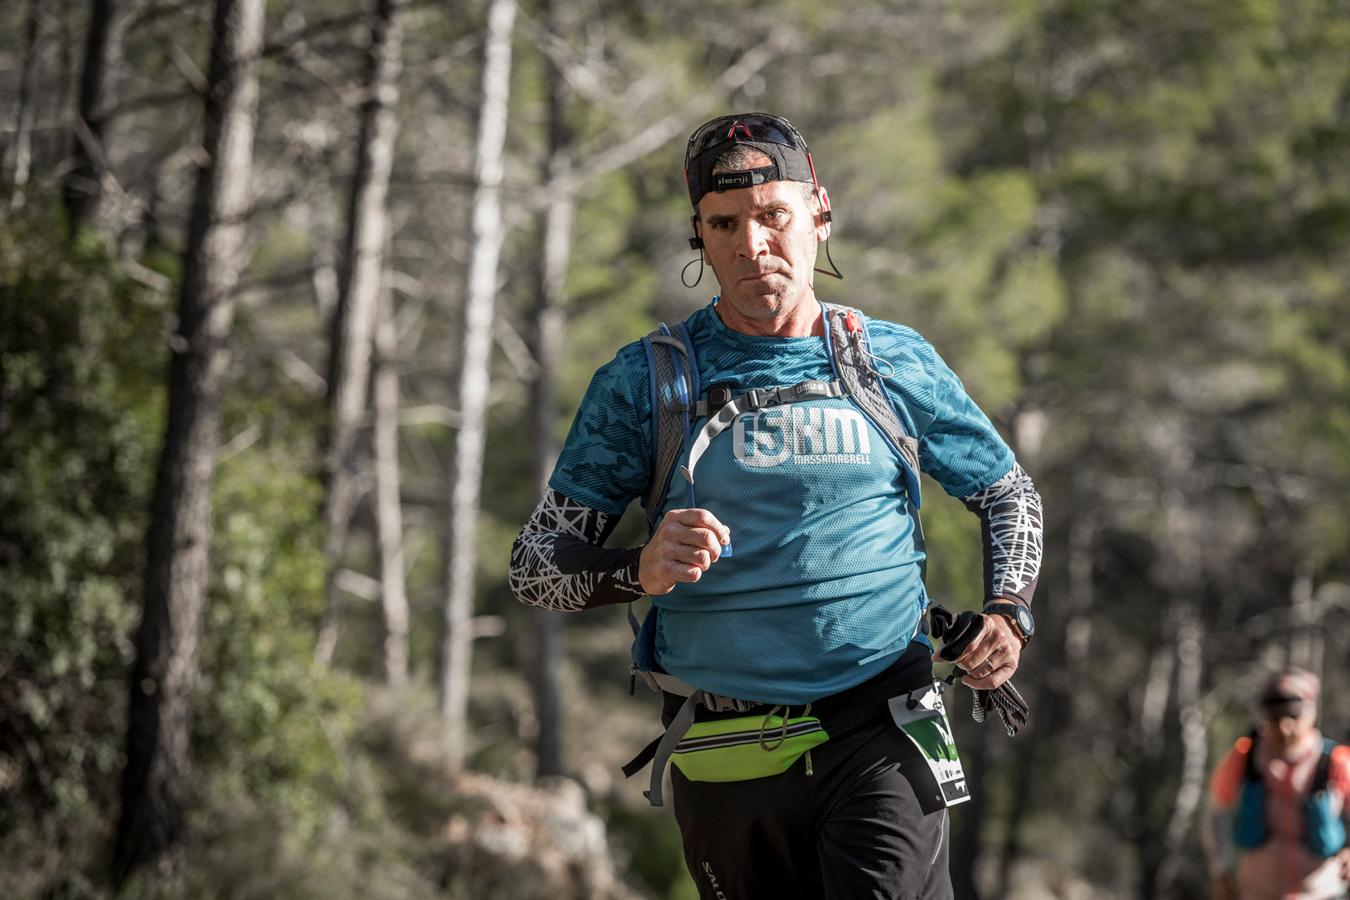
(746, 747)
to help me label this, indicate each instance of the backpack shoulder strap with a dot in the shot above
(850, 349)
(673, 373)
(1247, 748)
(851, 357)
(1322, 775)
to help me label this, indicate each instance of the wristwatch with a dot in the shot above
(1019, 615)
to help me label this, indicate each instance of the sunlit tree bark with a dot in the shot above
(486, 232)
(388, 508)
(358, 297)
(547, 334)
(21, 152)
(156, 782)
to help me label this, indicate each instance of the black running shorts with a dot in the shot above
(853, 829)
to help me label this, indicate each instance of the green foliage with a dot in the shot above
(356, 819)
(268, 715)
(79, 403)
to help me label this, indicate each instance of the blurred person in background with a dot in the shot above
(816, 615)
(1280, 802)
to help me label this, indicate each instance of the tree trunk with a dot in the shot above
(388, 511)
(21, 154)
(1307, 641)
(157, 780)
(1194, 747)
(67, 77)
(547, 349)
(1047, 696)
(1054, 690)
(82, 186)
(358, 296)
(1080, 602)
(486, 234)
(1147, 758)
(969, 820)
(1174, 682)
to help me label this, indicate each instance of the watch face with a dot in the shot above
(1026, 622)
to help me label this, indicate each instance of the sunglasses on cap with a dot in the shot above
(747, 128)
(1282, 707)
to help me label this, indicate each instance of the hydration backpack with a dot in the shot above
(678, 402)
(1325, 829)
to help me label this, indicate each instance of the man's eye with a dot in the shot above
(774, 215)
(721, 225)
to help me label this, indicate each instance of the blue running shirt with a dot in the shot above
(823, 590)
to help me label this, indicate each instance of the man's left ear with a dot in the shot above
(824, 217)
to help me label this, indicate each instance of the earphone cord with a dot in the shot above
(684, 273)
(835, 273)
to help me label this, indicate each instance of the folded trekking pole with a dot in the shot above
(957, 633)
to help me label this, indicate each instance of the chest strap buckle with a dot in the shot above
(719, 395)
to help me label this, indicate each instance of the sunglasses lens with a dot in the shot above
(1283, 709)
(765, 129)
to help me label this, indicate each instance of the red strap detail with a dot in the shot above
(852, 322)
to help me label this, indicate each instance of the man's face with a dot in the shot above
(761, 242)
(1289, 721)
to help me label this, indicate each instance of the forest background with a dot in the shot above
(297, 300)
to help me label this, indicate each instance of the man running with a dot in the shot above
(815, 615)
(1279, 802)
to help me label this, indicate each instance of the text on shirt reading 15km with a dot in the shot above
(808, 435)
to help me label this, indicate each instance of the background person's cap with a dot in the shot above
(772, 135)
(1291, 685)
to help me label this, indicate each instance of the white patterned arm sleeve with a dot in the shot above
(557, 561)
(1011, 533)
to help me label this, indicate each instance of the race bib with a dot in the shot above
(921, 715)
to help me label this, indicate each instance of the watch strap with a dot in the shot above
(1009, 611)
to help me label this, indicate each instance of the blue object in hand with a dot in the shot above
(726, 551)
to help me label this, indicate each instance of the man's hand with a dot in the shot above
(1224, 887)
(685, 544)
(992, 657)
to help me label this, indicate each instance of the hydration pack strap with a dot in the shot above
(674, 388)
(669, 339)
(1322, 775)
(853, 363)
(664, 681)
(679, 726)
(760, 398)
(659, 751)
(1249, 770)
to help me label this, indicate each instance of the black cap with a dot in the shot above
(771, 135)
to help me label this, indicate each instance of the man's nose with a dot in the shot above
(751, 240)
